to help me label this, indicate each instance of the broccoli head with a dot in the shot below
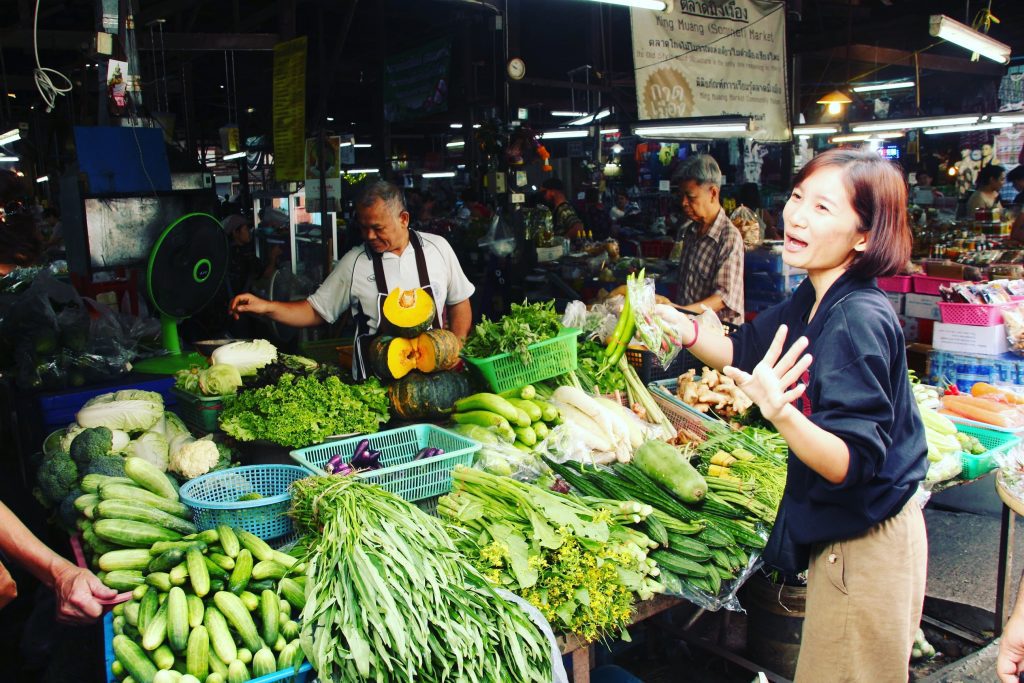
(57, 476)
(91, 443)
(67, 514)
(110, 465)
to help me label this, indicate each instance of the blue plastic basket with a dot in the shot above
(213, 499)
(413, 480)
(302, 676)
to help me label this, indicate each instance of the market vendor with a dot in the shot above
(392, 256)
(986, 196)
(711, 266)
(567, 222)
(857, 449)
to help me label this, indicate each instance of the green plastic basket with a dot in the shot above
(549, 358)
(413, 480)
(200, 413)
(995, 442)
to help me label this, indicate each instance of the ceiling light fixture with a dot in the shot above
(564, 134)
(978, 125)
(440, 174)
(656, 5)
(815, 130)
(10, 136)
(908, 124)
(693, 127)
(233, 156)
(834, 101)
(963, 35)
(875, 87)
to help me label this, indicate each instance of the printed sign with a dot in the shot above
(714, 59)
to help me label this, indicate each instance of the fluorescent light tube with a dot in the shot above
(901, 124)
(10, 136)
(896, 85)
(234, 155)
(456, 144)
(963, 35)
(964, 128)
(683, 129)
(657, 5)
(561, 134)
(815, 130)
(568, 114)
(440, 174)
(357, 171)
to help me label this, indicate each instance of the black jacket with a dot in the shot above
(857, 389)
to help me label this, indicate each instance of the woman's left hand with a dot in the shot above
(767, 385)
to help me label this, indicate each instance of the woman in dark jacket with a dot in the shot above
(857, 447)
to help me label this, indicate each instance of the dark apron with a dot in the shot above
(363, 338)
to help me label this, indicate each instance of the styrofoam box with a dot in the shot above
(970, 338)
(922, 306)
(898, 301)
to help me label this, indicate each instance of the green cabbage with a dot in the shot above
(220, 380)
(246, 356)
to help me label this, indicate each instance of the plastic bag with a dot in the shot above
(750, 228)
(661, 338)
(500, 238)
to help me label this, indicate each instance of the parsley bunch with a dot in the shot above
(526, 324)
(300, 411)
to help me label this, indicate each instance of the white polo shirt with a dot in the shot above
(352, 280)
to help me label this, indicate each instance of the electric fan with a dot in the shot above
(186, 268)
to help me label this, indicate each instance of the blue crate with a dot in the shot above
(58, 409)
(302, 676)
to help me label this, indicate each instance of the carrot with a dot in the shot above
(982, 410)
(994, 393)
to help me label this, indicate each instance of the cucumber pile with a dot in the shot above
(517, 417)
(214, 607)
(121, 517)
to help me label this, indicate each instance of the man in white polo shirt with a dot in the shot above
(391, 256)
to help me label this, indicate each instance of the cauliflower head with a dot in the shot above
(195, 459)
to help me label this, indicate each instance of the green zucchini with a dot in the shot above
(229, 541)
(132, 534)
(127, 558)
(242, 572)
(146, 475)
(115, 491)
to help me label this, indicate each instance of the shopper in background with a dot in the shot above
(78, 590)
(392, 256)
(711, 267)
(567, 222)
(986, 196)
(857, 451)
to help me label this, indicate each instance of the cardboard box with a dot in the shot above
(971, 339)
(897, 300)
(922, 306)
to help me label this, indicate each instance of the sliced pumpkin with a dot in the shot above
(409, 312)
(392, 357)
(437, 350)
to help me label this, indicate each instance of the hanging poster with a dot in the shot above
(713, 59)
(289, 109)
(416, 81)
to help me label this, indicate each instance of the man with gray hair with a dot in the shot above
(711, 265)
(392, 256)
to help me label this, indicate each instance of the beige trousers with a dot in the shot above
(864, 602)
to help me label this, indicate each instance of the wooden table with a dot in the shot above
(581, 651)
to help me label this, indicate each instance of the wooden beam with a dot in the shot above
(885, 56)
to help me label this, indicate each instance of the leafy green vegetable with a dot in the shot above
(300, 411)
(526, 324)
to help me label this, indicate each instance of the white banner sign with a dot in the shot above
(711, 59)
